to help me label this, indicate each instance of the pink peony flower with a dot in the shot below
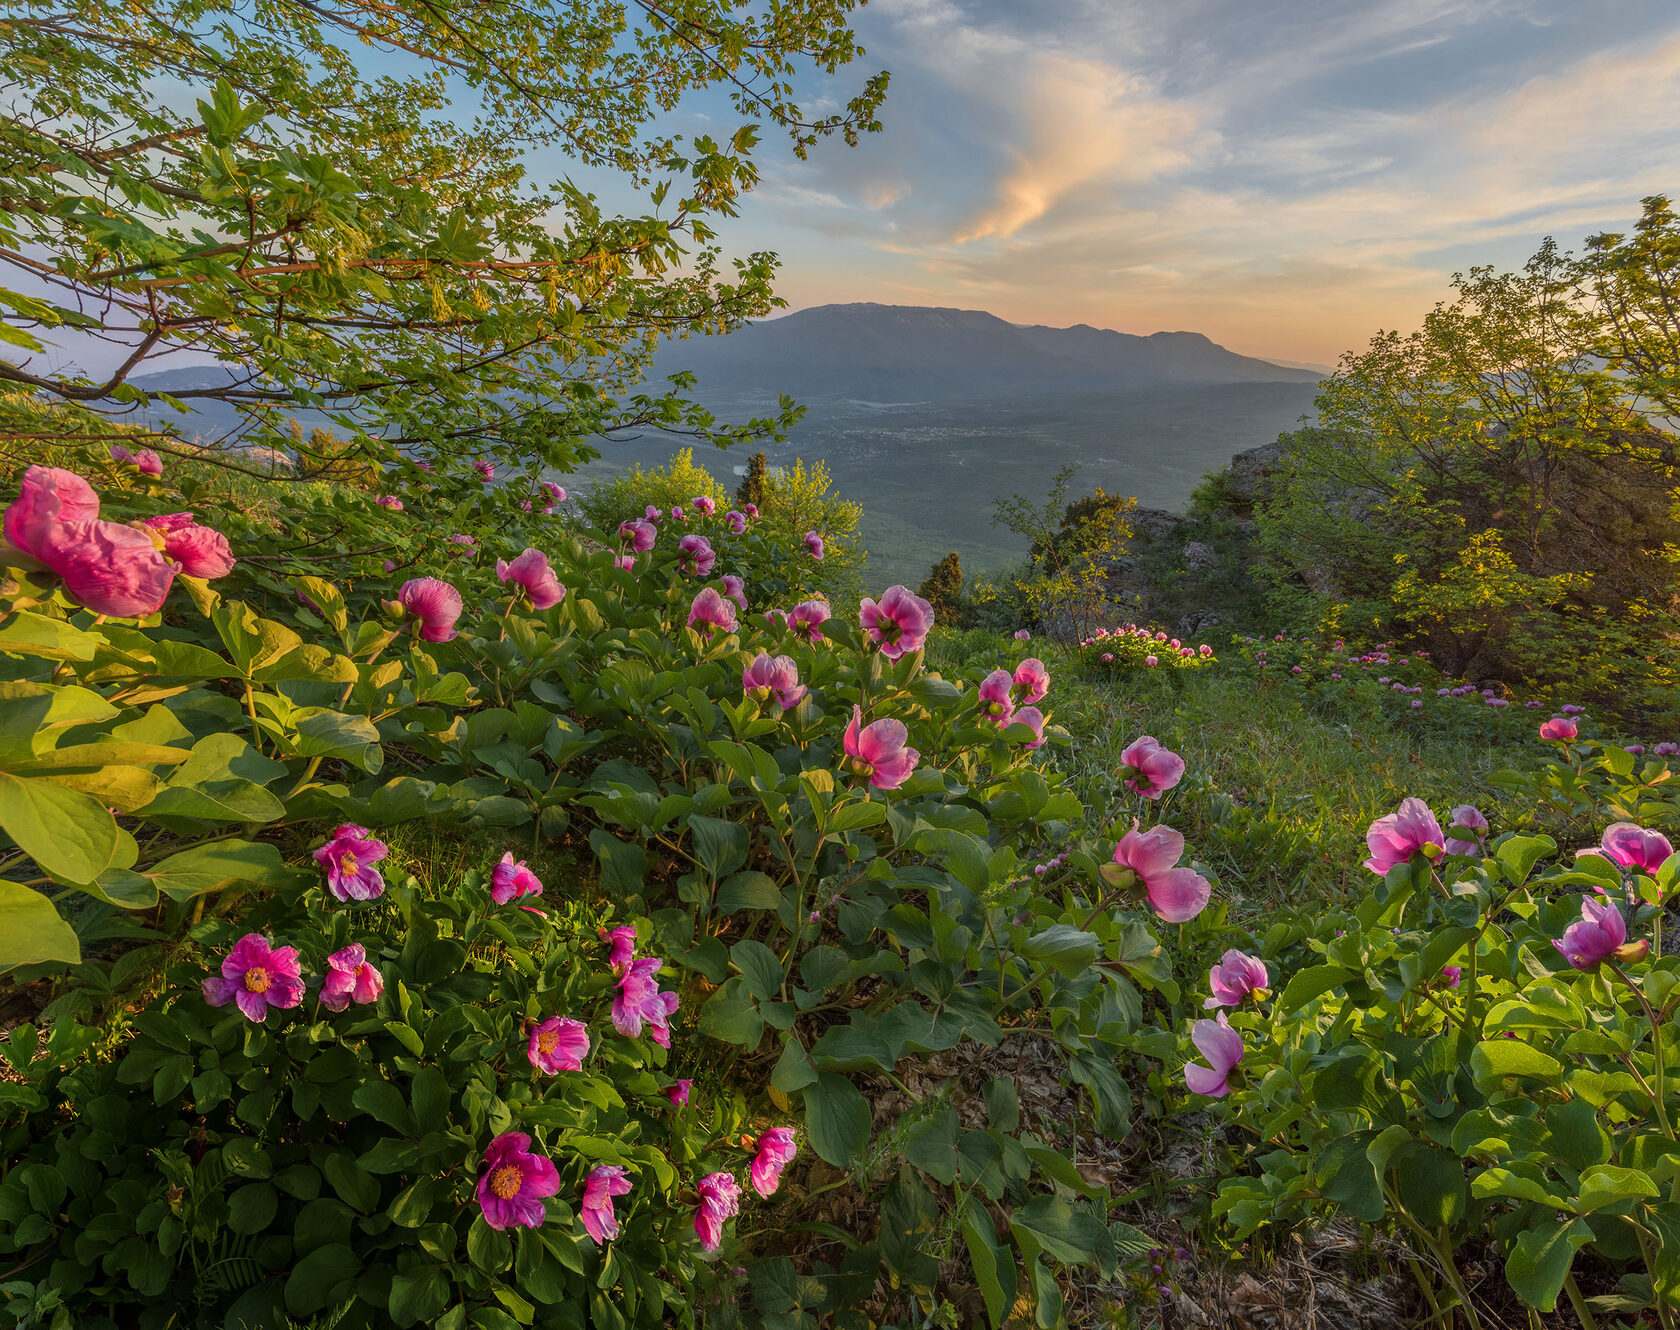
(1394, 839)
(775, 1150)
(1223, 1048)
(678, 1093)
(1236, 977)
(627, 562)
(710, 611)
(1149, 769)
(1572, 709)
(737, 521)
(256, 976)
(486, 470)
(1559, 729)
(720, 1199)
(878, 751)
(110, 568)
(556, 493)
(677, 514)
(1032, 679)
(696, 555)
(145, 461)
(1022, 635)
(1628, 845)
(531, 571)
(1452, 975)
(995, 703)
(509, 880)
(435, 603)
(558, 1044)
(1600, 936)
(640, 1002)
(1151, 857)
(899, 621)
(512, 1183)
(652, 514)
(814, 545)
(200, 550)
(637, 535)
(1033, 719)
(350, 978)
(1466, 818)
(388, 501)
(465, 541)
(704, 504)
(751, 510)
(807, 618)
(349, 857)
(621, 942)
(596, 1208)
(735, 589)
(773, 677)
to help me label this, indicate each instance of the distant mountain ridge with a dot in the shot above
(914, 353)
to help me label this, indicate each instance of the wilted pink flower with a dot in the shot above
(1559, 729)
(653, 514)
(878, 751)
(1601, 935)
(201, 551)
(512, 1183)
(145, 461)
(807, 618)
(110, 568)
(1395, 838)
(595, 1209)
(899, 621)
(639, 1002)
(391, 502)
(1466, 818)
(711, 610)
(509, 879)
(1628, 845)
(531, 571)
(1235, 978)
(720, 1200)
(704, 504)
(256, 976)
(737, 521)
(1151, 857)
(558, 1044)
(1223, 1048)
(677, 1093)
(637, 535)
(814, 545)
(735, 589)
(775, 1150)
(773, 676)
(1149, 769)
(349, 857)
(696, 555)
(621, 943)
(995, 703)
(350, 978)
(1032, 679)
(1033, 719)
(435, 603)
(486, 470)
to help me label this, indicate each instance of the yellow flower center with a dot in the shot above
(548, 1041)
(257, 980)
(348, 863)
(505, 1182)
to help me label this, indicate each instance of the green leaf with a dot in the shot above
(1517, 856)
(1063, 947)
(721, 847)
(1431, 1184)
(994, 1265)
(854, 816)
(759, 967)
(211, 867)
(1539, 1263)
(1607, 1185)
(852, 1047)
(731, 1014)
(27, 634)
(1071, 1236)
(419, 1295)
(31, 930)
(1494, 1059)
(1313, 982)
(68, 833)
(748, 891)
(315, 1280)
(354, 1185)
(837, 1119)
(252, 1208)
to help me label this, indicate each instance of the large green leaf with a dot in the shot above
(1537, 1266)
(68, 833)
(837, 1119)
(207, 868)
(31, 929)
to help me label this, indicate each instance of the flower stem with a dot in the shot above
(1659, 1095)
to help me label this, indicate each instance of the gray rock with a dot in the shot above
(1248, 472)
(1200, 557)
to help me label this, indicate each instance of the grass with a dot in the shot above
(1279, 788)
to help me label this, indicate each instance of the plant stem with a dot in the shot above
(1588, 1320)
(1659, 1097)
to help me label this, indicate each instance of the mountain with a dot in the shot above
(909, 353)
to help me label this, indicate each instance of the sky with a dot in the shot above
(1285, 176)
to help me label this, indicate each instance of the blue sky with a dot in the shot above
(1286, 176)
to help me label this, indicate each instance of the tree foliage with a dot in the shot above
(1074, 546)
(349, 205)
(942, 587)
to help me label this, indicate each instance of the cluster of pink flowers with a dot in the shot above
(121, 570)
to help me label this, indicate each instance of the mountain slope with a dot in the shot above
(909, 353)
